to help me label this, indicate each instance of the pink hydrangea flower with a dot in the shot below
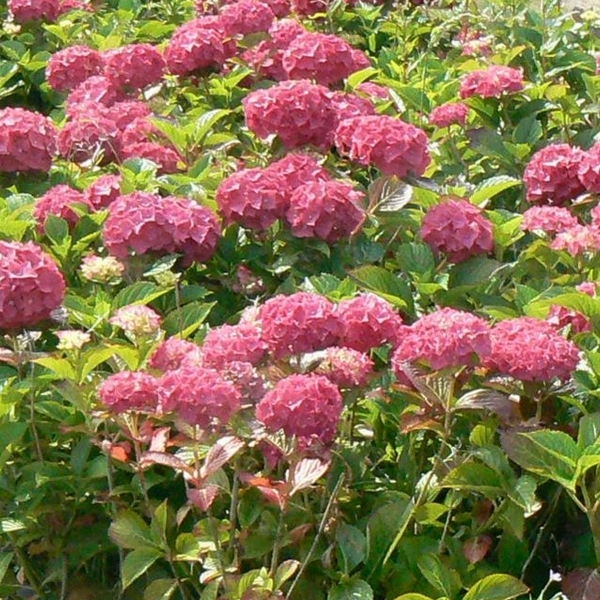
(302, 322)
(458, 229)
(531, 350)
(373, 90)
(69, 5)
(588, 170)
(307, 8)
(246, 379)
(167, 159)
(58, 201)
(328, 210)
(27, 140)
(299, 112)
(491, 82)
(561, 316)
(255, 198)
(134, 66)
(137, 320)
(298, 169)
(129, 390)
(95, 90)
(198, 45)
(346, 106)
(31, 286)
(199, 396)
(233, 343)
(549, 219)
(172, 353)
(577, 239)
(449, 114)
(70, 67)
(551, 176)
(33, 10)
(103, 192)
(305, 406)
(127, 113)
(345, 367)
(444, 338)
(391, 145)
(326, 59)
(368, 321)
(246, 16)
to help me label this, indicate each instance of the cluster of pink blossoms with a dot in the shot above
(491, 82)
(141, 222)
(449, 114)
(58, 201)
(549, 219)
(458, 229)
(31, 286)
(47, 10)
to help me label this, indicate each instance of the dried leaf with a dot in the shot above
(160, 437)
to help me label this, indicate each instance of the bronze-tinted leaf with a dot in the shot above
(582, 584)
(476, 549)
(219, 454)
(497, 402)
(203, 497)
(306, 472)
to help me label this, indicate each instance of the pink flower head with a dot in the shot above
(531, 350)
(328, 210)
(284, 31)
(103, 192)
(246, 379)
(325, 59)
(368, 321)
(307, 8)
(129, 390)
(198, 45)
(246, 16)
(299, 112)
(458, 229)
(129, 112)
(345, 367)
(134, 66)
(233, 343)
(70, 67)
(265, 60)
(305, 406)
(577, 239)
(27, 140)
(167, 159)
(588, 169)
(449, 114)
(391, 145)
(101, 269)
(491, 82)
(58, 201)
(69, 5)
(31, 286)
(551, 177)
(171, 354)
(95, 90)
(91, 136)
(33, 10)
(302, 322)
(298, 169)
(137, 320)
(373, 90)
(549, 219)
(255, 198)
(444, 338)
(347, 106)
(199, 396)
(142, 222)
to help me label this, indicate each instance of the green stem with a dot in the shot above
(277, 544)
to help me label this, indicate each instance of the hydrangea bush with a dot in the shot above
(299, 299)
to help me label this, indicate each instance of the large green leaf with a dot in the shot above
(491, 187)
(141, 292)
(496, 587)
(129, 530)
(551, 454)
(136, 563)
(352, 590)
(386, 284)
(351, 545)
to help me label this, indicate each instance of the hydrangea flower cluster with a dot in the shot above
(345, 367)
(31, 286)
(137, 320)
(491, 82)
(458, 229)
(448, 114)
(245, 17)
(531, 350)
(233, 343)
(391, 145)
(103, 192)
(27, 140)
(58, 201)
(588, 170)
(549, 219)
(33, 10)
(173, 353)
(101, 269)
(135, 66)
(130, 390)
(141, 222)
(577, 239)
(444, 338)
(70, 67)
(305, 406)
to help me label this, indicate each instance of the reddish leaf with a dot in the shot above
(120, 451)
(297, 534)
(477, 548)
(415, 421)
(160, 437)
(306, 472)
(203, 497)
(220, 454)
(497, 402)
(163, 458)
(274, 492)
(582, 584)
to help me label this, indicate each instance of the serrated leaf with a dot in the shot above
(136, 563)
(474, 271)
(438, 575)
(551, 454)
(385, 284)
(492, 187)
(129, 530)
(589, 430)
(185, 321)
(56, 229)
(140, 292)
(11, 433)
(351, 590)
(59, 366)
(160, 589)
(351, 545)
(219, 454)
(389, 194)
(306, 472)
(284, 572)
(496, 587)
(474, 477)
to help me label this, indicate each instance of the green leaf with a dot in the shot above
(473, 271)
(59, 366)
(413, 596)
(284, 571)
(56, 229)
(385, 284)
(415, 258)
(129, 530)
(528, 131)
(589, 430)
(5, 560)
(158, 526)
(438, 575)
(491, 187)
(11, 433)
(496, 587)
(136, 563)
(160, 589)
(185, 321)
(351, 546)
(474, 477)
(551, 454)
(140, 292)
(80, 455)
(352, 590)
